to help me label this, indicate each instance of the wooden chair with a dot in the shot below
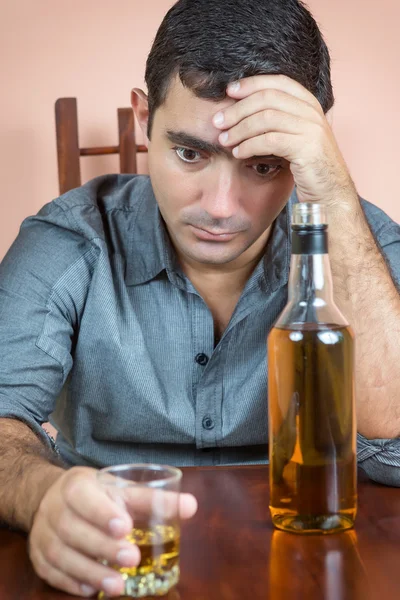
(69, 152)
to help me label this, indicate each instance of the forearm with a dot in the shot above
(366, 294)
(27, 470)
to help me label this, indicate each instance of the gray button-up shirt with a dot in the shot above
(101, 332)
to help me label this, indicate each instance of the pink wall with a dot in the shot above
(96, 50)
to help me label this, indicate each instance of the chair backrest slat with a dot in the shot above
(127, 145)
(69, 172)
(68, 151)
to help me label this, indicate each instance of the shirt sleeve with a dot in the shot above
(42, 291)
(380, 458)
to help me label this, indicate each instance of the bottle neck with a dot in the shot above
(310, 271)
(310, 279)
(310, 288)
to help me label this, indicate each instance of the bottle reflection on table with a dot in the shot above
(316, 567)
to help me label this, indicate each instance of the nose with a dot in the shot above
(222, 194)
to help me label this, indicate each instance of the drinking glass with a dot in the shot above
(150, 494)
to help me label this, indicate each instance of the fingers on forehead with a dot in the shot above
(277, 82)
(275, 99)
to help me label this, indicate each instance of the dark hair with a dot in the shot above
(210, 43)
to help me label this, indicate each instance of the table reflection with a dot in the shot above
(321, 567)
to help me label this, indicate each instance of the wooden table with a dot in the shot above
(230, 550)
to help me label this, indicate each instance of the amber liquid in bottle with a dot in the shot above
(312, 429)
(313, 456)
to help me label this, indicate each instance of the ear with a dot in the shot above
(140, 107)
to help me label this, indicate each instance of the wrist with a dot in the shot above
(345, 206)
(41, 479)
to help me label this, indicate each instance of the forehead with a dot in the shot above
(182, 109)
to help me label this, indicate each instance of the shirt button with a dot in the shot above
(208, 423)
(201, 359)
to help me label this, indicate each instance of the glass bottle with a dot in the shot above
(312, 426)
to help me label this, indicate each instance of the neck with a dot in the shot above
(228, 278)
(217, 280)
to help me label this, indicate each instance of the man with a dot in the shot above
(148, 301)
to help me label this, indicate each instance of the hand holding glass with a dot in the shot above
(150, 494)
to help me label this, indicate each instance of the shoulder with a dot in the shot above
(92, 214)
(72, 230)
(108, 192)
(84, 209)
(387, 234)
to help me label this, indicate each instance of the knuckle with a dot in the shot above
(269, 115)
(53, 552)
(266, 94)
(41, 514)
(34, 553)
(64, 527)
(232, 114)
(30, 546)
(246, 126)
(39, 569)
(76, 480)
(274, 94)
(34, 549)
(271, 138)
(267, 142)
(40, 565)
(71, 491)
(238, 113)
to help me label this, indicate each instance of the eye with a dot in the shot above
(264, 169)
(188, 155)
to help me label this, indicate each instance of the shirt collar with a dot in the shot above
(151, 251)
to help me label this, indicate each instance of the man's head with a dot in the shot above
(200, 47)
(210, 43)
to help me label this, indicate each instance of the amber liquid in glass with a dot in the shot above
(158, 570)
(312, 434)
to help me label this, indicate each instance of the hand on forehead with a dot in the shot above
(253, 93)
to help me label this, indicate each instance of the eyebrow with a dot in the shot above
(186, 139)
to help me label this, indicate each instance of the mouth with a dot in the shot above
(213, 236)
